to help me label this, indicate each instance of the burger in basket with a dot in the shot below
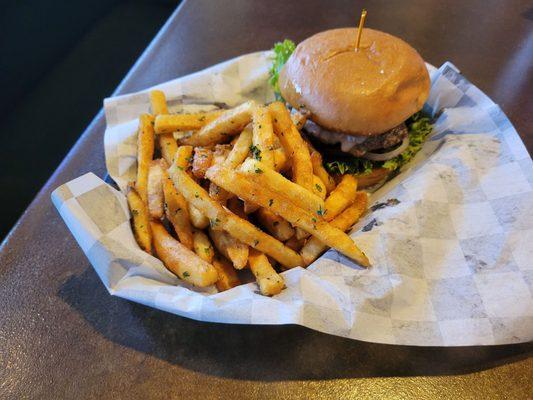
(363, 104)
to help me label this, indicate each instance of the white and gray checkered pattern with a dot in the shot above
(452, 259)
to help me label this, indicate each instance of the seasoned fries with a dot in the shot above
(141, 220)
(145, 153)
(184, 122)
(240, 150)
(341, 197)
(228, 124)
(312, 223)
(263, 136)
(237, 227)
(277, 226)
(177, 212)
(168, 147)
(314, 247)
(299, 119)
(319, 188)
(183, 157)
(167, 143)
(281, 163)
(264, 176)
(180, 260)
(182, 160)
(294, 145)
(202, 160)
(231, 248)
(269, 281)
(213, 193)
(202, 246)
(320, 171)
(227, 276)
(155, 189)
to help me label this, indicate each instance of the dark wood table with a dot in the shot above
(63, 336)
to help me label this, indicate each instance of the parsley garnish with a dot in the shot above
(256, 153)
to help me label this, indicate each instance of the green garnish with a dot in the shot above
(282, 52)
(256, 153)
(419, 127)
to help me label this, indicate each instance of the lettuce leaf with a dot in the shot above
(282, 52)
(419, 127)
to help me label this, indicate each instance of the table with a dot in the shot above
(63, 336)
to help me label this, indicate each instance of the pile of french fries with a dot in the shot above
(238, 188)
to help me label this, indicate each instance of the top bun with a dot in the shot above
(365, 92)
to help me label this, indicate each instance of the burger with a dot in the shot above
(363, 104)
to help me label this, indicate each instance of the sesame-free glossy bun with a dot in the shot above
(364, 92)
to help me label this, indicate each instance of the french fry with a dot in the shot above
(269, 281)
(294, 145)
(198, 220)
(227, 276)
(218, 194)
(294, 243)
(220, 154)
(240, 149)
(145, 153)
(274, 224)
(261, 174)
(202, 246)
(320, 191)
(141, 220)
(299, 119)
(341, 197)
(177, 211)
(226, 125)
(202, 160)
(281, 163)
(158, 102)
(180, 260)
(155, 189)
(230, 247)
(320, 171)
(237, 227)
(319, 188)
(184, 122)
(312, 223)
(183, 157)
(314, 247)
(167, 143)
(168, 146)
(263, 136)
(182, 160)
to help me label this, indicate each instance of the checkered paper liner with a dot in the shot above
(452, 252)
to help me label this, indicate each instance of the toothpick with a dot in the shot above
(360, 29)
